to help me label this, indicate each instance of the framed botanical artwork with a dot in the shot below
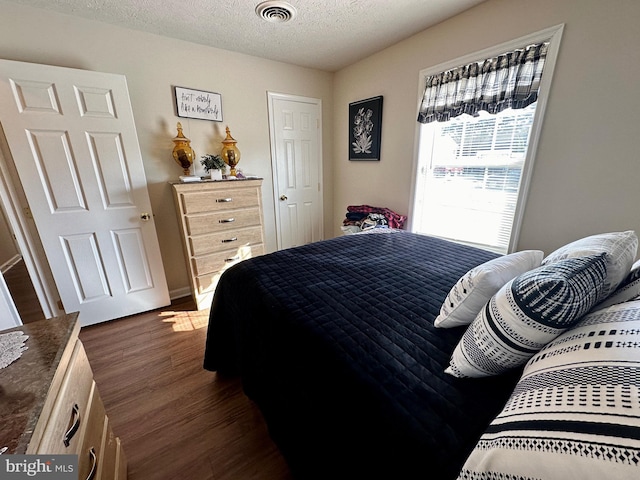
(365, 129)
(198, 104)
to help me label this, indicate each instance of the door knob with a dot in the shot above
(145, 217)
(283, 197)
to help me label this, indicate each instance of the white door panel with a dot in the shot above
(72, 137)
(296, 151)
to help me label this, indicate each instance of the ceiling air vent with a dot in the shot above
(276, 12)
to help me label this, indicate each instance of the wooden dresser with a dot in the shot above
(49, 403)
(221, 224)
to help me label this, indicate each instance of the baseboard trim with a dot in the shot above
(6, 266)
(179, 293)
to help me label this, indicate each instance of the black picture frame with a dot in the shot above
(365, 129)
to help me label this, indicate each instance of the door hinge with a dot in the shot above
(27, 213)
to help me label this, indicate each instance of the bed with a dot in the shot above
(334, 341)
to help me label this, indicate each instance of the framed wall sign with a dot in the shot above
(365, 129)
(198, 104)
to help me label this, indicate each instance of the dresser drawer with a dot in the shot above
(68, 418)
(228, 240)
(205, 283)
(90, 457)
(220, 261)
(220, 200)
(224, 220)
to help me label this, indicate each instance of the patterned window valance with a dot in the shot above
(510, 80)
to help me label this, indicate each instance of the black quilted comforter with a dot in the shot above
(335, 343)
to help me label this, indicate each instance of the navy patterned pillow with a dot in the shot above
(526, 314)
(575, 413)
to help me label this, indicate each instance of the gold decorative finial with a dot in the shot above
(182, 153)
(230, 153)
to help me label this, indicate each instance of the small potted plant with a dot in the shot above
(213, 165)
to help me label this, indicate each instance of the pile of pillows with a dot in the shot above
(571, 319)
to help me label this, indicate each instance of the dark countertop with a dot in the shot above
(25, 383)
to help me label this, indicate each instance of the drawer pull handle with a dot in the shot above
(227, 240)
(94, 464)
(224, 200)
(227, 220)
(75, 424)
(232, 259)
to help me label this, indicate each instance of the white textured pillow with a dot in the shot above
(620, 248)
(526, 314)
(575, 413)
(478, 285)
(629, 289)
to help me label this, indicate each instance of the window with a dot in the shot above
(469, 174)
(473, 167)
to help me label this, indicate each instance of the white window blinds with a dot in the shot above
(469, 174)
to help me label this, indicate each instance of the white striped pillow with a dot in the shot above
(620, 249)
(575, 413)
(478, 285)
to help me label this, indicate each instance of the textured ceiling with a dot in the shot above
(325, 34)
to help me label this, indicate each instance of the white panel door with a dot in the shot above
(295, 124)
(72, 137)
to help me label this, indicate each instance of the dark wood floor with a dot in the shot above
(175, 419)
(22, 292)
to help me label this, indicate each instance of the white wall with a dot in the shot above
(587, 166)
(152, 65)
